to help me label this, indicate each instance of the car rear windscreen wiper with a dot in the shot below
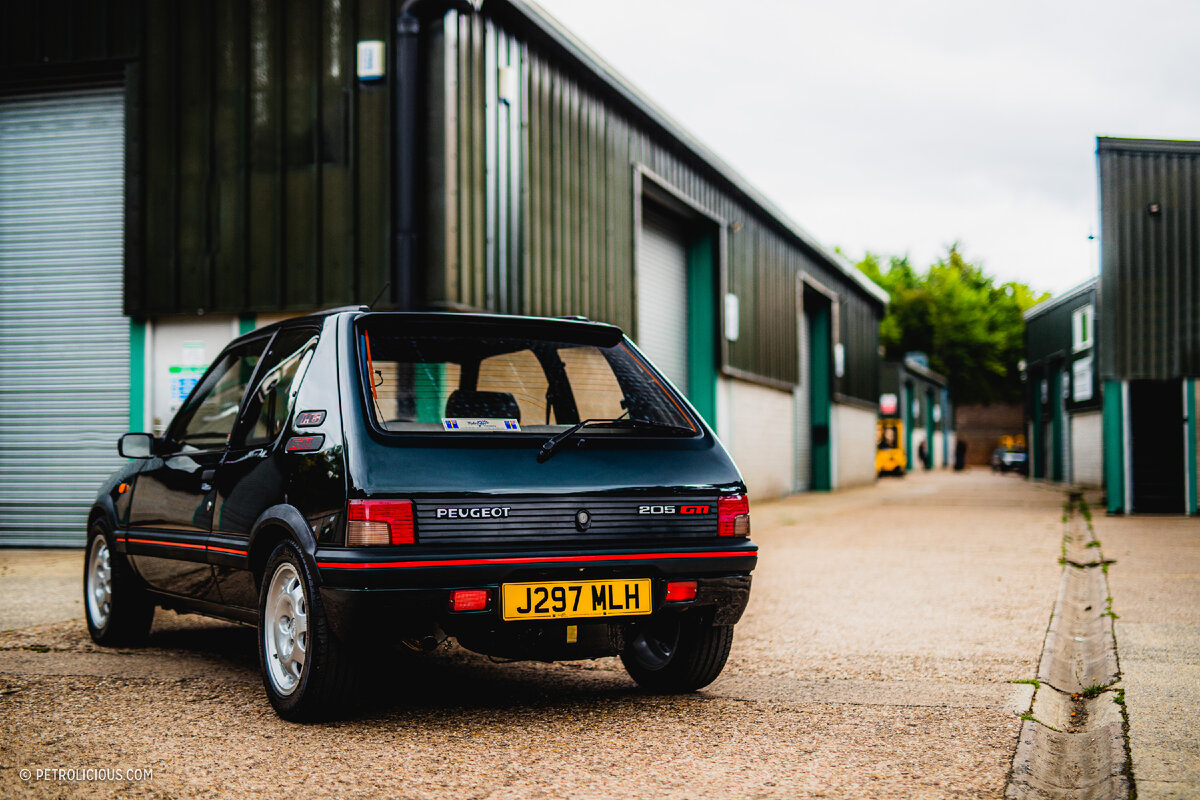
(554, 442)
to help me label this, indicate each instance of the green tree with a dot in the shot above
(971, 327)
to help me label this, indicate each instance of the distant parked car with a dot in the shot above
(1010, 459)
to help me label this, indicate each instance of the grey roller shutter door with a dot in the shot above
(662, 296)
(64, 342)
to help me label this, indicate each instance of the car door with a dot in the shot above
(171, 512)
(249, 479)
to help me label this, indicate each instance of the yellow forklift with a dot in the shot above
(889, 452)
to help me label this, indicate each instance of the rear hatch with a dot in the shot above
(527, 433)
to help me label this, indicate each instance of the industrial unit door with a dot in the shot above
(662, 306)
(64, 342)
(1157, 432)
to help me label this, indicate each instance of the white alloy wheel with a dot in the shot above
(99, 583)
(285, 629)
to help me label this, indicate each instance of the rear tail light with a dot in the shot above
(681, 591)
(733, 516)
(469, 599)
(378, 523)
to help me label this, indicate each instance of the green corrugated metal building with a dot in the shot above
(1062, 389)
(920, 398)
(1149, 322)
(281, 157)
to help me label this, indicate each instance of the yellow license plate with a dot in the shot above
(566, 599)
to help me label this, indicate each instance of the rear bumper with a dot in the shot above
(369, 596)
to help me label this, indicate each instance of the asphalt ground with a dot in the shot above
(875, 660)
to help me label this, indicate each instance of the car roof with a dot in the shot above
(514, 322)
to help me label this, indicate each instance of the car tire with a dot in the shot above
(115, 603)
(678, 653)
(305, 669)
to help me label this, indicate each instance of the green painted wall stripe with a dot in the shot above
(137, 375)
(246, 323)
(1057, 460)
(702, 327)
(910, 458)
(1114, 448)
(1037, 468)
(1190, 447)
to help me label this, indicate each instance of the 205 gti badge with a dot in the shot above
(673, 509)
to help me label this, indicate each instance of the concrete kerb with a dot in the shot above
(1072, 742)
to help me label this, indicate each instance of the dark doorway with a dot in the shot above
(1156, 446)
(818, 314)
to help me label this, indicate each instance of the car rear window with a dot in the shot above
(454, 384)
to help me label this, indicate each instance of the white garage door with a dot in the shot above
(662, 296)
(64, 343)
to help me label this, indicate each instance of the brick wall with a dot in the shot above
(982, 426)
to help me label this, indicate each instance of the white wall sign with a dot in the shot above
(371, 64)
(732, 317)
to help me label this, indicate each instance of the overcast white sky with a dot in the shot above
(902, 126)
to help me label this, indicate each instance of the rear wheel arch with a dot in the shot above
(276, 524)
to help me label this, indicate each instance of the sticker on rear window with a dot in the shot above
(479, 424)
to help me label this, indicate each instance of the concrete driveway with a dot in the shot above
(876, 659)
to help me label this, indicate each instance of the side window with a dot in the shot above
(207, 420)
(1082, 328)
(270, 404)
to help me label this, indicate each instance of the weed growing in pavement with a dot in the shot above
(1034, 682)
(1093, 543)
(1095, 690)
(1085, 510)
(1108, 612)
(1119, 697)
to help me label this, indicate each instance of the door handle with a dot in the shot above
(206, 479)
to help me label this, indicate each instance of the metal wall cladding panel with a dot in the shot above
(859, 335)
(64, 342)
(540, 213)
(68, 32)
(1149, 307)
(1049, 339)
(262, 161)
(662, 302)
(1048, 334)
(551, 520)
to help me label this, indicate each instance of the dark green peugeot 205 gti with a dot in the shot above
(355, 482)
